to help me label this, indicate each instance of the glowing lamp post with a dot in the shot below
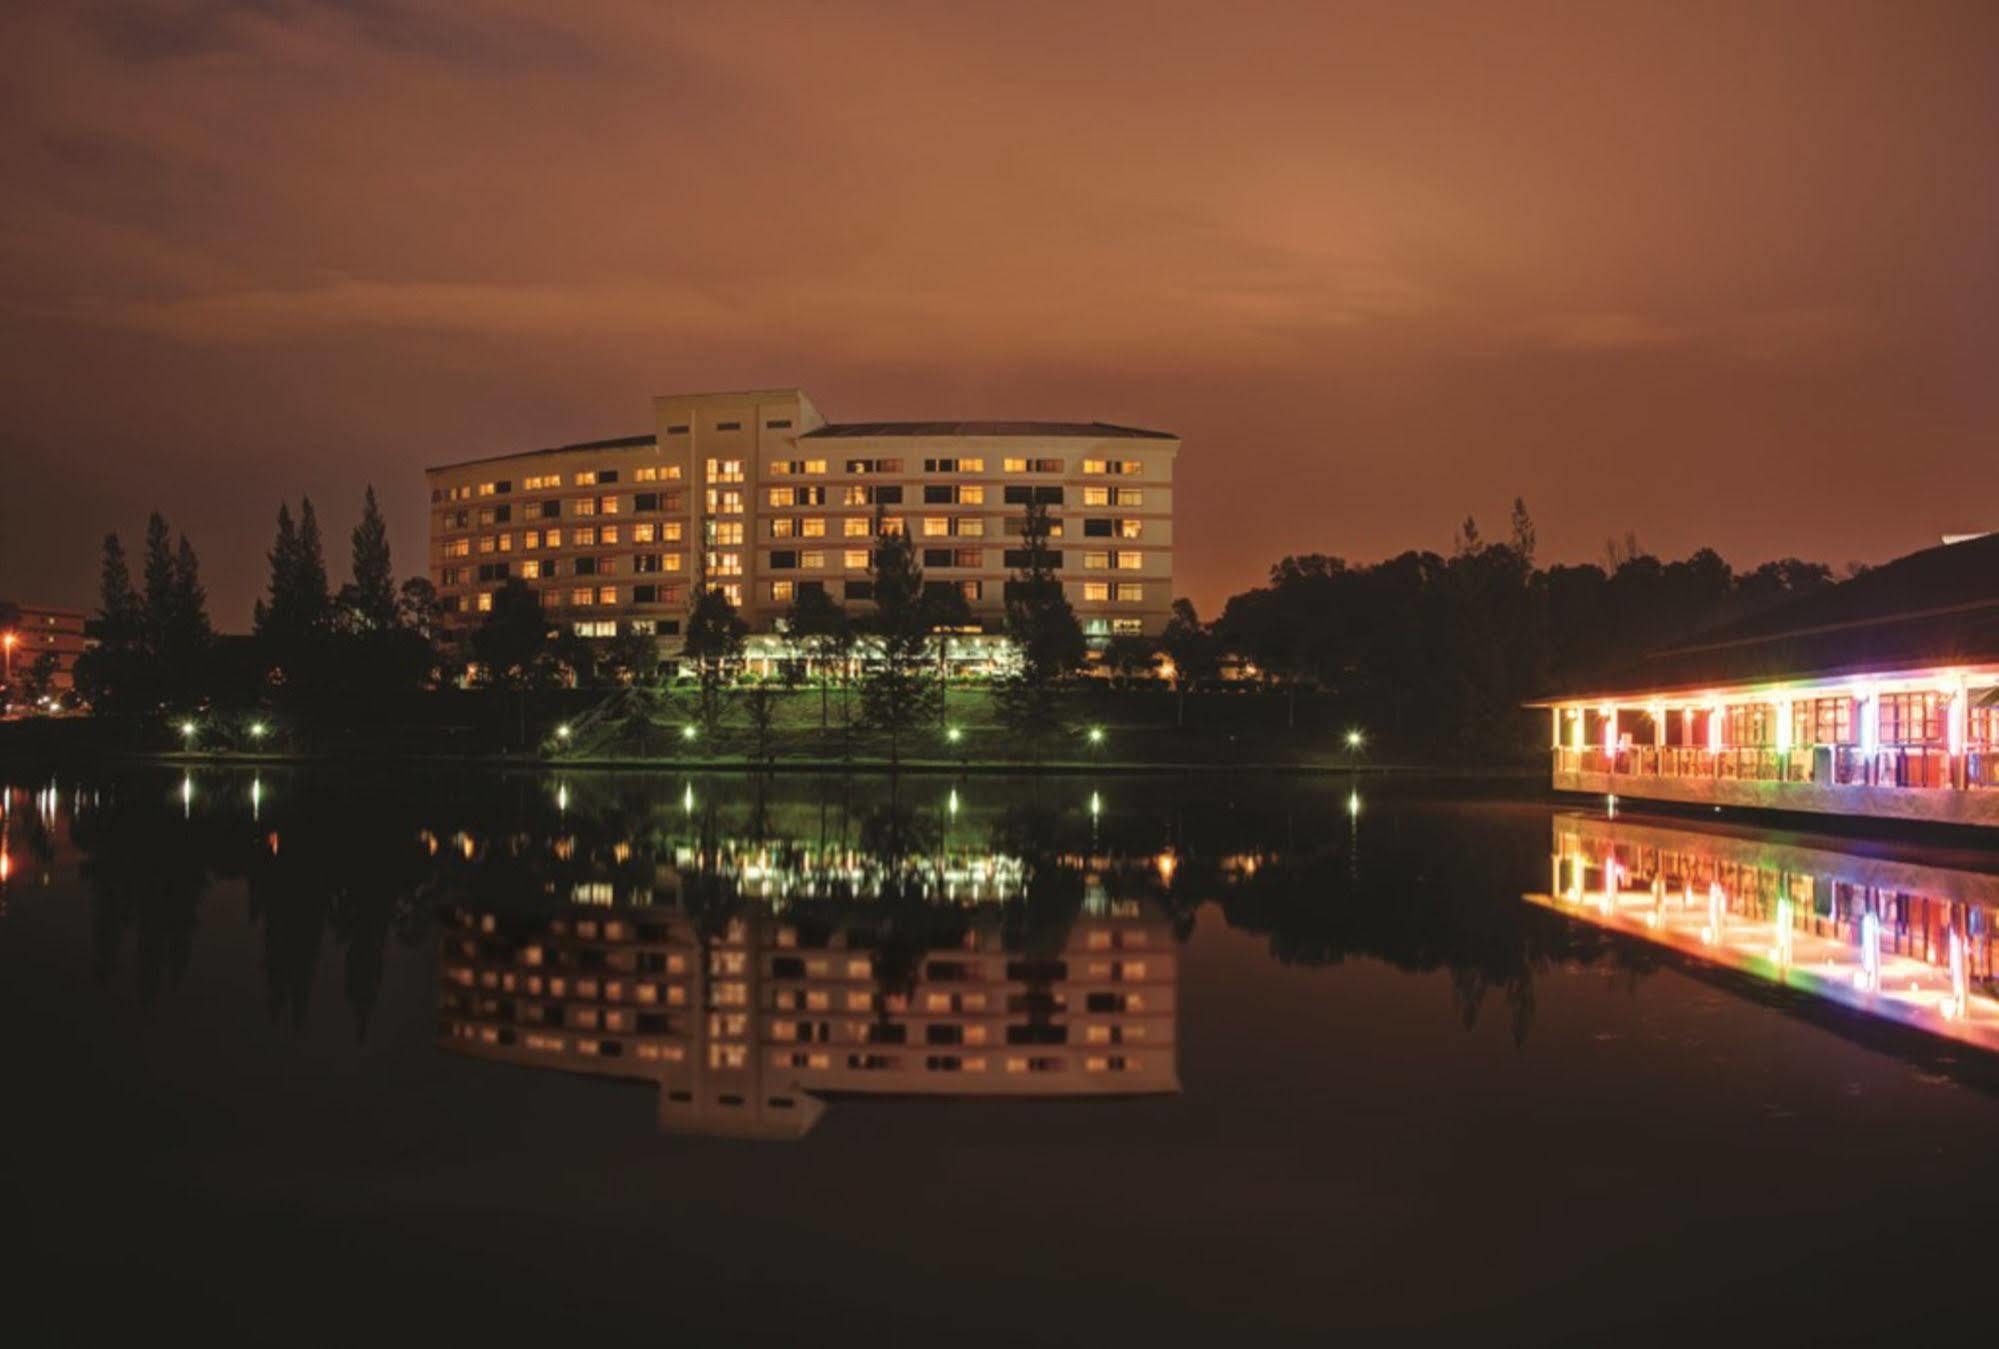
(8, 641)
(188, 731)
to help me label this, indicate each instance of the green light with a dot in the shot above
(1096, 735)
(954, 735)
(187, 730)
(257, 729)
(688, 732)
(1355, 739)
(562, 731)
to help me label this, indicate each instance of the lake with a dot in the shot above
(312, 1055)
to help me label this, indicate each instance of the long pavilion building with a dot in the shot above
(1876, 697)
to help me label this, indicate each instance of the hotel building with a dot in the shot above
(1878, 696)
(766, 498)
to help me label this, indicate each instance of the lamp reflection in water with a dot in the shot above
(1900, 939)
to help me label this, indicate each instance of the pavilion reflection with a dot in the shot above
(1905, 940)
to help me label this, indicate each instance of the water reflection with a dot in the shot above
(1906, 940)
(757, 946)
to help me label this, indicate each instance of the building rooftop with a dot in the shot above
(1096, 430)
(1933, 609)
(614, 443)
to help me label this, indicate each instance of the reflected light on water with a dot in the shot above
(1906, 941)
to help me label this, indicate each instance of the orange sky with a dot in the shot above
(1717, 273)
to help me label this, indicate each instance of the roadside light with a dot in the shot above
(1355, 739)
(562, 731)
(187, 730)
(954, 735)
(1096, 735)
(688, 732)
(257, 729)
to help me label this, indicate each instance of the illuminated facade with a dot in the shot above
(1893, 938)
(746, 1024)
(1876, 697)
(764, 497)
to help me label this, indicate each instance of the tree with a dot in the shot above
(714, 645)
(513, 638)
(1191, 647)
(1129, 656)
(38, 678)
(159, 583)
(314, 602)
(898, 689)
(945, 611)
(760, 701)
(821, 627)
(1047, 640)
(115, 674)
(632, 656)
(418, 609)
(274, 617)
(368, 602)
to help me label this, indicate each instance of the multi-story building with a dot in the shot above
(764, 498)
(30, 631)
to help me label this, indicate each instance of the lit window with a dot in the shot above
(644, 533)
(607, 595)
(1014, 465)
(813, 528)
(856, 560)
(1095, 466)
(1130, 560)
(935, 526)
(1130, 529)
(608, 534)
(781, 591)
(1096, 561)
(1130, 592)
(1096, 590)
(814, 561)
(729, 532)
(485, 604)
(586, 536)
(585, 479)
(582, 596)
(856, 527)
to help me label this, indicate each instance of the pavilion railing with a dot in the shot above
(1929, 766)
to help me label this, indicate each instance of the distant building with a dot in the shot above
(1879, 696)
(28, 631)
(767, 499)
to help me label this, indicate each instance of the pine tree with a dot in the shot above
(159, 584)
(190, 631)
(122, 616)
(1047, 639)
(276, 617)
(370, 601)
(899, 688)
(314, 601)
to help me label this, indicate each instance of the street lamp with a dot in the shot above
(187, 732)
(257, 730)
(688, 732)
(1096, 735)
(562, 731)
(10, 640)
(954, 734)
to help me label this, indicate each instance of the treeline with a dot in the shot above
(1439, 651)
(157, 650)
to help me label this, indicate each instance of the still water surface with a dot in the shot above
(308, 1056)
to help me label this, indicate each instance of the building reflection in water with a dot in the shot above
(1903, 940)
(753, 980)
